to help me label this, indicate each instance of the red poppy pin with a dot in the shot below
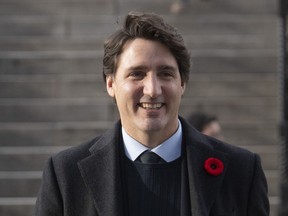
(214, 166)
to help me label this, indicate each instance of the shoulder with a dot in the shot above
(78, 150)
(197, 138)
(81, 151)
(207, 145)
(241, 165)
(68, 158)
(228, 148)
(236, 154)
(240, 160)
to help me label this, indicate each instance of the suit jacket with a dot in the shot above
(86, 180)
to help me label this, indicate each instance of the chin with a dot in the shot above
(153, 126)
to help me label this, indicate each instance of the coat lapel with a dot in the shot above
(101, 173)
(203, 187)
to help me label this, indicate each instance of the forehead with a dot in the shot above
(144, 51)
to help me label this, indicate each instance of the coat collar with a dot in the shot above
(203, 187)
(101, 172)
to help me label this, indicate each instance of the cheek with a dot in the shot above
(125, 91)
(174, 90)
(127, 87)
(131, 88)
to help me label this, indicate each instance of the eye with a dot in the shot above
(166, 74)
(137, 74)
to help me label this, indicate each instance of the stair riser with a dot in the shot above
(48, 137)
(206, 63)
(107, 111)
(92, 88)
(62, 136)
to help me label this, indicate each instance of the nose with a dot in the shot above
(152, 86)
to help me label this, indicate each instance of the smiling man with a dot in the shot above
(147, 88)
(152, 162)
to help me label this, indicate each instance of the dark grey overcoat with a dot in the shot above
(86, 180)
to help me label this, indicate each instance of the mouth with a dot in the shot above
(151, 106)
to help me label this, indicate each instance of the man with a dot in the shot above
(206, 124)
(146, 68)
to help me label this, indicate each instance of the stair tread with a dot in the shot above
(50, 51)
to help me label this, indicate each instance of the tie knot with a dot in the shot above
(149, 157)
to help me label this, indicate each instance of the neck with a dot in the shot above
(151, 139)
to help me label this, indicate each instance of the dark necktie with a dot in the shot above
(149, 157)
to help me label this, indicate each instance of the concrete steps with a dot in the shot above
(10, 206)
(86, 25)
(52, 95)
(95, 42)
(73, 133)
(54, 7)
(88, 62)
(49, 133)
(25, 183)
(206, 7)
(93, 7)
(89, 85)
(33, 158)
(80, 109)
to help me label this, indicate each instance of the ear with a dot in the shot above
(110, 85)
(183, 85)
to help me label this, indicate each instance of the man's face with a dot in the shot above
(147, 88)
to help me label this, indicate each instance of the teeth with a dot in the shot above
(151, 106)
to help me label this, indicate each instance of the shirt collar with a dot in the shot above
(169, 150)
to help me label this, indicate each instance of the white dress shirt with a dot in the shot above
(169, 150)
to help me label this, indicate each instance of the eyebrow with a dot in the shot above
(140, 67)
(160, 67)
(166, 67)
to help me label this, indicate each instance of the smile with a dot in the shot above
(150, 106)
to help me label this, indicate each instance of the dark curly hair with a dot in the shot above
(148, 26)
